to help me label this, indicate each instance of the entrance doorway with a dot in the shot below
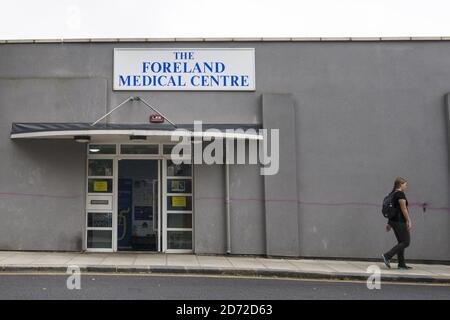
(138, 205)
(137, 199)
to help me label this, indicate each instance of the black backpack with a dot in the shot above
(389, 211)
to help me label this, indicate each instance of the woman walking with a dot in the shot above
(400, 223)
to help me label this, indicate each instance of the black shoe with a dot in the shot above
(386, 261)
(405, 267)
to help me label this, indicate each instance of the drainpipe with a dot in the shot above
(227, 206)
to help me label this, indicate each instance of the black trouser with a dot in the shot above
(402, 234)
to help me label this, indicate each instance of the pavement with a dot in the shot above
(23, 261)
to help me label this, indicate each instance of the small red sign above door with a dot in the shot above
(156, 118)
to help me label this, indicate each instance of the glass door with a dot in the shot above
(138, 199)
(137, 203)
(99, 198)
(178, 207)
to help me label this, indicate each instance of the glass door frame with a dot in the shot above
(165, 210)
(162, 197)
(116, 196)
(113, 209)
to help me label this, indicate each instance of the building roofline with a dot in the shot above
(242, 39)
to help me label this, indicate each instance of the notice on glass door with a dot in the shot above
(179, 202)
(100, 186)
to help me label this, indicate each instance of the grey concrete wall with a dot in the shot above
(281, 203)
(209, 209)
(42, 197)
(365, 112)
(96, 61)
(447, 114)
(248, 232)
(246, 209)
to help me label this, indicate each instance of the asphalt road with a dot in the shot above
(135, 287)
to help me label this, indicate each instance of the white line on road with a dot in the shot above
(220, 277)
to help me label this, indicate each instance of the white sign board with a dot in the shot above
(183, 69)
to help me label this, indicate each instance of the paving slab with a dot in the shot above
(402, 273)
(151, 260)
(214, 262)
(182, 260)
(413, 272)
(311, 266)
(365, 264)
(345, 267)
(246, 263)
(7, 254)
(26, 258)
(88, 259)
(57, 259)
(435, 269)
(119, 260)
(277, 264)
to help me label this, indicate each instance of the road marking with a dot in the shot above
(84, 274)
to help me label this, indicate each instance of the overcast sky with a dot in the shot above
(38, 19)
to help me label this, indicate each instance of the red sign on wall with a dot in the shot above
(156, 118)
